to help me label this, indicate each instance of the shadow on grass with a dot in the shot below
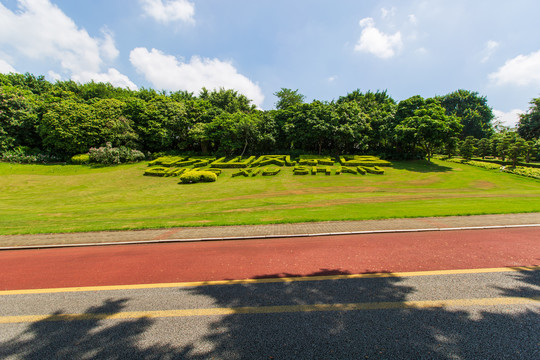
(386, 332)
(422, 166)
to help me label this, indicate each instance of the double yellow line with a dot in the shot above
(271, 309)
(268, 280)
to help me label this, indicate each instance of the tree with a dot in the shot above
(467, 147)
(528, 126)
(429, 126)
(472, 110)
(451, 146)
(517, 148)
(288, 98)
(18, 118)
(484, 147)
(230, 101)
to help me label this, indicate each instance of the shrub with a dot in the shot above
(111, 155)
(373, 170)
(234, 163)
(270, 171)
(356, 160)
(240, 173)
(301, 170)
(524, 171)
(361, 170)
(156, 171)
(191, 177)
(80, 159)
(350, 170)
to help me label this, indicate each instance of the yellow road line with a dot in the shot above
(272, 309)
(268, 280)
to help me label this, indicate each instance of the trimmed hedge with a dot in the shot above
(349, 170)
(167, 160)
(372, 170)
(270, 171)
(192, 177)
(234, 163)
(361, 160)
(524, 171)
(156, 171)
(301, 170)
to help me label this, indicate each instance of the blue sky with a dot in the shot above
(324, 49)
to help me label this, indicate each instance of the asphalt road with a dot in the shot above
(446, 305)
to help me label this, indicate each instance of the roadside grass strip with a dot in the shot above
(498, 301)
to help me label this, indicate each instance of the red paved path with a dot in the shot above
(176, 262)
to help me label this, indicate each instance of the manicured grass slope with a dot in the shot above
(55, 198)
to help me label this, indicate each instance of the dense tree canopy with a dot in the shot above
(529, 123)
(66, 118)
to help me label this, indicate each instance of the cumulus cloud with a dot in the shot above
(166, 11)
(167, 72)
(508, 119)
(112, 76)
(6, 68)
(522, 70)
(489, 50)
(39, 30)
(375, 42)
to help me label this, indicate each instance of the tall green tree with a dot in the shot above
(428, 127)
(288, 98)
(467, 147)
(18, 118)
(529, 123)
(472, 110)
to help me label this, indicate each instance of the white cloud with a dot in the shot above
(489, 49)
(6, 68)
(509, 119)
(107, 45)
(167, 72)
(522, 70)
(412, 19)
(166, 11)
(39, 30)
(332, 78)
(388, 12)
(54, 76)
(112, 76)
(377, 43)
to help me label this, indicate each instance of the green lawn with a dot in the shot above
(68, 198)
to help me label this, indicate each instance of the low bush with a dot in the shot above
(156, 171)
(80, 159)
(524, 171)
(110, 155)
(241, 172)
(270, 171)
(300, 170)
(349, 170)
(22, 155)
(373, 170)
(361, 170)
(234, 163)
(191, 177)
(356, 160)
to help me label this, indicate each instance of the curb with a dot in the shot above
(255, 237)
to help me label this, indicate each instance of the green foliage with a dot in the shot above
(362, 160)
(234, 163)
(288, 98)
(372, 170)
(524, 171)
(191, 177)
(529, 123)
(18, 118)
(80, 159)
(472, 111)
(301, 170)
(467, 148)
(349, 170)
(156, 171)
(270, 171)
(428, 127)
(110, 155)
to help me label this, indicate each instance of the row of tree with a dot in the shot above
(67, 118)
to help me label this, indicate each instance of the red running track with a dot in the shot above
(178, 262)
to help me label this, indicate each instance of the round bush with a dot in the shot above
(80, 159)
(191, 177)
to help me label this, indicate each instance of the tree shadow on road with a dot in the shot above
(401, 332)
(92, 338)
(393, 330)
